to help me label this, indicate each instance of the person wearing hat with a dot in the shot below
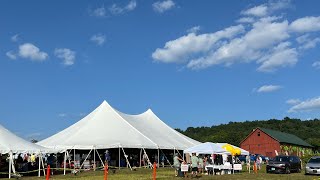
(177, 163)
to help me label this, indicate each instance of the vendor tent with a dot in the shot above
(106, 127)
(206, 148)
(243, 152)
(9, 142)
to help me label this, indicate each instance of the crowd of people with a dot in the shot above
(197, 164)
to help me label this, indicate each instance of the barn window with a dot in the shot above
(258, 133)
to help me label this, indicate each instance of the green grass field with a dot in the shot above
(168, 173)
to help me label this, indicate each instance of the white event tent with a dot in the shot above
(105, 127)
(10, 144)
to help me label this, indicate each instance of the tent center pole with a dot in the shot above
(65, 162)
(94, 159)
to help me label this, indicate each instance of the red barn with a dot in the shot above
(266, 142)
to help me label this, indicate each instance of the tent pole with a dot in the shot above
(74, 158)
(39, 165)
(128, 163)
(149, 163)
(119, 157)
(100, 158)
(13, 168)
(44, 170)
(140, 158)
(94, 158)
(158, 163)
(65, 162)
(10, 164)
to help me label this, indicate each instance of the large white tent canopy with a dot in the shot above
(106, 127)
(11, 143)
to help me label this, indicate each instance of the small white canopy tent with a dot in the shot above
(206, 148)
(10, 144)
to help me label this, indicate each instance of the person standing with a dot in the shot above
(258, 162)
(194, 164)
(248, 162)
(177, 163)
(201, 166)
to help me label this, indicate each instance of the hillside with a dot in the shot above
(235, 132)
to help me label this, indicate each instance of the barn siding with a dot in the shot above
(263, 144)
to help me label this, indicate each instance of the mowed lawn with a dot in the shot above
(168, 173)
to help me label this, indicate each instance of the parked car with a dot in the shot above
(284, 164)
(313, 165)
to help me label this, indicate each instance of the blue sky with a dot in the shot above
(193, 64)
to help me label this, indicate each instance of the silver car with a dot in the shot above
(313, 165)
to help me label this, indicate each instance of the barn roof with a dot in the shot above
(285, 137)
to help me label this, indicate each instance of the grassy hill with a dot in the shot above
(235, 132)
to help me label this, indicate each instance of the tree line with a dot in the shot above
(235, 132)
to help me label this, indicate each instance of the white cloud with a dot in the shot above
(30, 51)
(267, 9)
(259, 11)
(266, 40)
(67, 55)
(246, 20)
(268, 88)
(293, 101)
(306, 24)
(181, 49)
(194, 29)
(282, 56)
(15, 38)
(99, 12)
(316, 64)
(116, 9)
(307, 105)
(99, 39)
(11, 55)
(306, 42)
(250, 47)
(162, 6)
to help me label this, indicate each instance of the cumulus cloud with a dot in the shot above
(260, 10)
(266, 9)
(246, 20)
(11, 55)
(116, 9)
(194, 29)
(162, 6)
(32, 52)
(68, 56)
(306, 42)
(316, 64)
(293, 101)
(282, 56)
(307, 105)
(268, 88)
(267, 41)
(99, 12)
(181, 49)
(99, 39)
(306, 24)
